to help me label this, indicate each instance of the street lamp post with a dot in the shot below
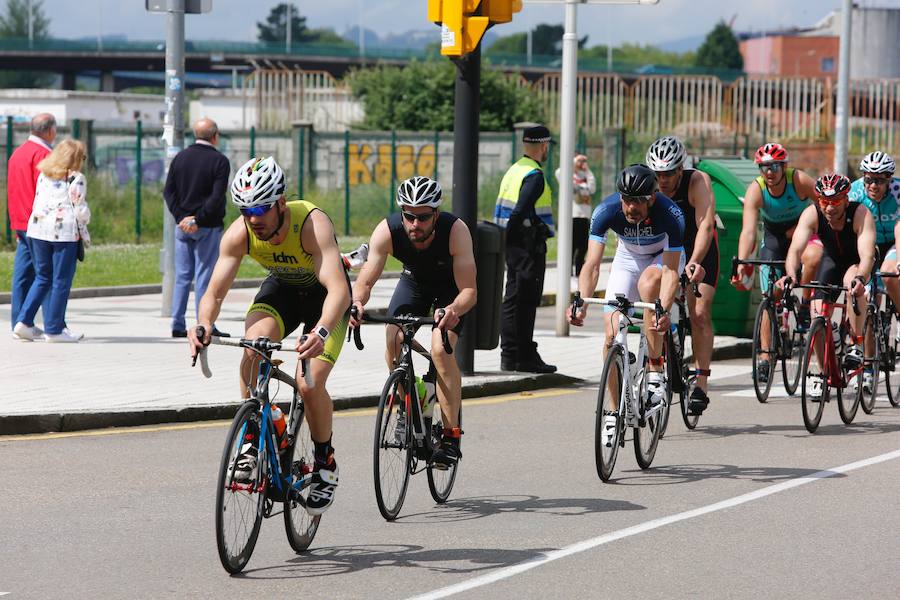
(843, 92)
(569, 78)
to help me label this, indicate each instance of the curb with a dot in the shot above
(80, 421)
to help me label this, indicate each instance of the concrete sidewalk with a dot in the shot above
(128, 371)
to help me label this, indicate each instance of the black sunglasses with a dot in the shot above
(413, 217)
(878, 180)
(770, 167)
(632, 199)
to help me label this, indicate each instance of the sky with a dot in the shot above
(235, 20)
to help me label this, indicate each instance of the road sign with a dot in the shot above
(191, 7)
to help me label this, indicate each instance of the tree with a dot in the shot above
(720, 49)
(419, 97)
(545, 40)
(14, 25)
(274, 30)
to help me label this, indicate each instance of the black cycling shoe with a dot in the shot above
(447, 455)
(699, 402)
(321, 491)
(762, 371)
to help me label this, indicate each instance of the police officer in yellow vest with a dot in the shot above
(524, 209)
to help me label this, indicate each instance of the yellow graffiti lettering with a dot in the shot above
(425, 162)
(382, 170)
(358, 169)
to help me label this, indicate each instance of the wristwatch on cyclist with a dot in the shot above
(861, 281)
(322, 332)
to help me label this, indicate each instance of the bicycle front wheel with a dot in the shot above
(891, 356)
(813, 403)
(299, 525)
(393, 446)
(646, 437)
(690, 421)
(871, 361)
(610, 403)
(791, 352)
(440, 481)
(763, 354)
(239, 505)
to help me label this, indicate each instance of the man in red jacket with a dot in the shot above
(21, 182)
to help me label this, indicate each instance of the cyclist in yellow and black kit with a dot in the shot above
(307, 283)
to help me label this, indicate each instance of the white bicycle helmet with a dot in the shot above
(259, 181)
(666, 154)
(877, 162)
(420, 191)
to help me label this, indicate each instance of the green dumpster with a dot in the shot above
(733, 312)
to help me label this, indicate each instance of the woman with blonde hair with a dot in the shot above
(58, 221)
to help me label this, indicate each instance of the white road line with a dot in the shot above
(585, 545)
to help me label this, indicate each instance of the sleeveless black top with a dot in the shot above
(680, 198)
(431, 266)
(840, 245)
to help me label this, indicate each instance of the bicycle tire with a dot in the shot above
(300, 526)
(396, 453)
(791, 352)
(440, 481)
(235, 544)
(871, 328)
(684, 400)
(848, 403)
(646, 438)
(819, 333)
(892, 357)
(762, 390)
(673, 373)
(605, 456)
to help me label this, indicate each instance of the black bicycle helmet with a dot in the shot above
(636, 180)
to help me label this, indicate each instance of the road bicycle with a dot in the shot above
(681, 374)
(406, 432)
(627, 403)
(780, 316)
(284, 461)
(882, 344)
(823, 360)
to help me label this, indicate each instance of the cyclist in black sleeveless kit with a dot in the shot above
(691, 191)
(435, 248)
(847, 233)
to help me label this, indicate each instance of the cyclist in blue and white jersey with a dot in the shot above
(649, 258)
(879, 191)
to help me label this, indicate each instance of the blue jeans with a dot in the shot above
(22, 276)
(54, 270)
(195, 255)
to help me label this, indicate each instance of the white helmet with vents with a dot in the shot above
(877, 162)
(419, 191)
(259, 182)
(666, 154)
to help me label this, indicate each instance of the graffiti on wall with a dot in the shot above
(371, 162)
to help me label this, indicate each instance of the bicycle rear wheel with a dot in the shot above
(299, 525)
(239, 506)
(871, 361)
(646, 438)
(610, 402)
(791, 352)
(819, 335)
(690, 421)
(393, 446)
(848, 397)
(440, 481)
(764, 353)
(891, 356)
(674, 371)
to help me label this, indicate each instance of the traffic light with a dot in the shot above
(500, 11)
(461, 27)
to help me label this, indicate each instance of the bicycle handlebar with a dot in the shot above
(888, 274)
(683, 280)
(620, 302)
(398, 320)
(736, 262)
(828, 287)
(262, 345)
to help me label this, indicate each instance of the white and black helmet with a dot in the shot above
(259, 181)
(877, 162)
(420, 191)
(666, 154)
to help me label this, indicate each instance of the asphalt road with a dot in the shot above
(747, 504)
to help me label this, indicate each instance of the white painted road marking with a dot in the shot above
(590, 544)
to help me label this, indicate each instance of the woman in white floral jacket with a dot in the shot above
(58, 221)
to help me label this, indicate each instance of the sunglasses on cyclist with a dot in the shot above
(633, 199)
(413, 217)
(256, 211)
(833, 201)
(876, 180)
(666, 174)
(770, 167)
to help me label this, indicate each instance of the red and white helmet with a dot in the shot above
(831, 186)
(771, 152)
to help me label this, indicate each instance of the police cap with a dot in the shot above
(536, 135)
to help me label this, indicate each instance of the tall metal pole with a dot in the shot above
(566, 153)
(287, 32)
(173, 135)
(465, 174)
(842, 117)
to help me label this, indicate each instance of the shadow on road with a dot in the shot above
(788, 431)
(676, 474)
(465, 509)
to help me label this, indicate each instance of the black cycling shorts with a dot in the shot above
(710, 263)
(417, 299)
(831, 272)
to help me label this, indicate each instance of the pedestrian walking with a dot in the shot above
(58, 221)
(21, 181)
(524, 209)
(195, 194)
(584, 186)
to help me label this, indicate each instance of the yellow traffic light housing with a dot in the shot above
(500, 11)
(461, 28)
